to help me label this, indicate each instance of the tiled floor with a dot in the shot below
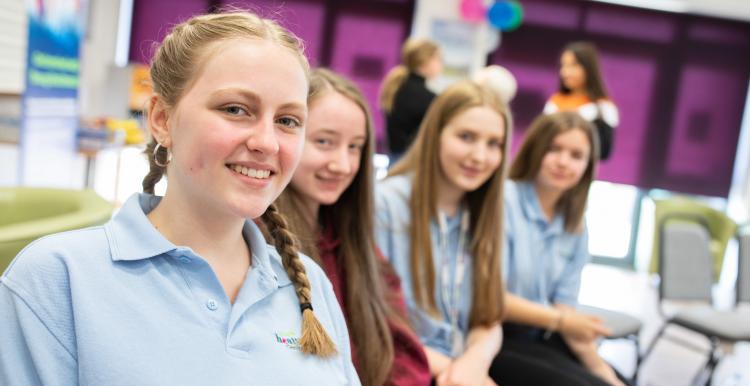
(671, 364)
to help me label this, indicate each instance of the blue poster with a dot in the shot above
(49, 119)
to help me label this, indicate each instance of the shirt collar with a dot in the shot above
(132, 237)
(533, 209)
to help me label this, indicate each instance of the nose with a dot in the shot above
(341, 162)
(262, 138)
(479, 152)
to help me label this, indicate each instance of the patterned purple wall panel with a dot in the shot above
(631, 24)
(373, 42)
(552, 14)
(705, 129)
(304, 18)
(153, 19)
(634, 96)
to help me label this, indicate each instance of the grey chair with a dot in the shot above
(623, 326)
(686, 274)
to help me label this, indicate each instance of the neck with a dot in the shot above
(448, 197)
(310, 212)
(213, 235)
(547, 200)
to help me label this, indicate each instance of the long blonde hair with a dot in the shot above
(173, 70)
(536, 144)
(414, 53)
(351, 217)
(485, 205)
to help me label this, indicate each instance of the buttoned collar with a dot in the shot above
(533, 209)
(132, 237)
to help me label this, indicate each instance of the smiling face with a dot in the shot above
(565, 162)
(237, 132)
(471, 148)
(336, 136)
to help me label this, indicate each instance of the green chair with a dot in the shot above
(720, 227)
(27, 214)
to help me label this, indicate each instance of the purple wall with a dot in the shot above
(678, 81)
(360, 39)
(153, 19)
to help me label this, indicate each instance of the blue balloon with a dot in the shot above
(501, 15)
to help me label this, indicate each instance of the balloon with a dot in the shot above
(505, 15)
(473, 10)
(500, 15)
(499, 80)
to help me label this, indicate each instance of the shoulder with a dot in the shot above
(50, 258)
(511, 192)
(395, 186)
(392, 195)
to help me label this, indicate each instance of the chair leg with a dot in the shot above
(706, 373)
(638, 358)
(650, 347)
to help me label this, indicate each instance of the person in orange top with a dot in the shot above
(582, 90)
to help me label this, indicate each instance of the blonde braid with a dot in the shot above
(314, 340)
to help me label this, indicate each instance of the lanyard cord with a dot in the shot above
(451, 300)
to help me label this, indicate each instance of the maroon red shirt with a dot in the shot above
(410, 367)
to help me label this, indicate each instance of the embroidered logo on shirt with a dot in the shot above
(288, 339)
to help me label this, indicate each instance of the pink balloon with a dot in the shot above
(473, 10)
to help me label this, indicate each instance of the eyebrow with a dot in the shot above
(249, 95)
(254, 97)
(338, 134)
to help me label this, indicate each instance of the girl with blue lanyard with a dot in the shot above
(182, 289)
(438, 216)
(546, 340)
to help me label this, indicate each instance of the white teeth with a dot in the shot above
(252, 173)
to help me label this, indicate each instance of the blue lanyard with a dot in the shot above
(452, 300)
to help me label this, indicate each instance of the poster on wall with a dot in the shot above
(456, 39)
(49, 119)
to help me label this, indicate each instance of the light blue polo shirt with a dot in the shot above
(119, 304)
(541, 261)
(393, 219)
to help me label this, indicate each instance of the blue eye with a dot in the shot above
(234, 110)
(289, 122)
(324, 142)
(466, 137)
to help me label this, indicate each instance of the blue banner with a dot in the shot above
(49, 120)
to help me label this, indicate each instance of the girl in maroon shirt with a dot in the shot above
(330, 206)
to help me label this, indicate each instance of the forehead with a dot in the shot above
(256, 65)
(574, 138)
(337, 113)
(480, 119)
(568, 57)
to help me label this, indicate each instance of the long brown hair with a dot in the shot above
(485, 205)
(352, 218)
(173, 69)
(586, 56)
(414, 53)
(535, 146)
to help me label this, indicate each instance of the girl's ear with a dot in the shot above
(158, 118)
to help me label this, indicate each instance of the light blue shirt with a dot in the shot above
(542, 262)
(119, 304)
(393, 219)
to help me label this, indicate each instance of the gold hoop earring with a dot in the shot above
(156, 158)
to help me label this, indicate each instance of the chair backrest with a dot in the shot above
(686, 262)
(743, 268)
(720, 227)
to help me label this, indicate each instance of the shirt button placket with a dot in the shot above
(212, 305)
